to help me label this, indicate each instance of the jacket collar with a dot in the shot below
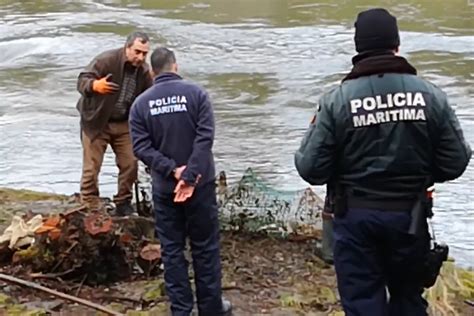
(379, 62)
(122, 59)
(166, 76)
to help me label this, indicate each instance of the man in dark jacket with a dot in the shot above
(381, 138)
(108, 87)
(172, 128)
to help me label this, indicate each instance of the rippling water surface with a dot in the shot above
(264, 62)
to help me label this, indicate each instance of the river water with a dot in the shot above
(264, 62)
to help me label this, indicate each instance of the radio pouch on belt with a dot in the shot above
(438, 253)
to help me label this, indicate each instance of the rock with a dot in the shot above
(117, 307)
(158, 310)
(5, 300)
(154, 290)
(5, 252)
(49, 306)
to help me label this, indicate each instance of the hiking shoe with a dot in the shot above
(125, 209)
(226, 307)
(324, 254)
(226, 310)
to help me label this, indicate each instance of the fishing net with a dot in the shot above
(251, 204)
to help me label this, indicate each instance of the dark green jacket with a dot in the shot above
(382, 134)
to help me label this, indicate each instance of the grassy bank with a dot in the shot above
(261, 275)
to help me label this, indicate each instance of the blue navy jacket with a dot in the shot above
(171, 125)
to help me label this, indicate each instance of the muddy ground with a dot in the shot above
(261, 276)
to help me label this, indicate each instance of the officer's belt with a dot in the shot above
(383, 205)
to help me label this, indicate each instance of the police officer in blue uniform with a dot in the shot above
(380, 139)
(172, 129)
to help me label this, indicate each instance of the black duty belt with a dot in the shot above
(383, 205)
(118, 120)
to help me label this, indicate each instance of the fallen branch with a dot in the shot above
(82, 283)
(240, 289)
(119, 298)
(142, 219)
(231, 287)
(74, 299)
(75, 210)
(64, 255)
(51, 275)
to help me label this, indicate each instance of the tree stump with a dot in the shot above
(91, 246)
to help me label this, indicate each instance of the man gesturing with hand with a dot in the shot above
(104, 85)
(108, 87)
(172, 129)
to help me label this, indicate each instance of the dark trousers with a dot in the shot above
(373, 252)
(197, 218)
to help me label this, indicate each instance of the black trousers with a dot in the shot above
(197, 218)
(373, 253)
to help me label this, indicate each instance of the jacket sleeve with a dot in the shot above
(451, 153)
(202, 146)
(148, 80)
(314, 159)
(95, 70)
(143, 146)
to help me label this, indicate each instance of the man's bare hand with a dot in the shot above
(179, 172)
(183, 191)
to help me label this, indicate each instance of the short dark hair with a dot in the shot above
(136, 35)
(161, 59)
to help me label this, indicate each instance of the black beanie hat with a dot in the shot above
(376, 29)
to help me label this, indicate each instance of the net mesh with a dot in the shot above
(251, 204)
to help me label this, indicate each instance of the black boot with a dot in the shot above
(226, 310)
(125, 209)
(321, 253)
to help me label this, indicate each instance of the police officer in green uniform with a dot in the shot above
(380, 139)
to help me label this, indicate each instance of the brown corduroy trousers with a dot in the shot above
(118, 136)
